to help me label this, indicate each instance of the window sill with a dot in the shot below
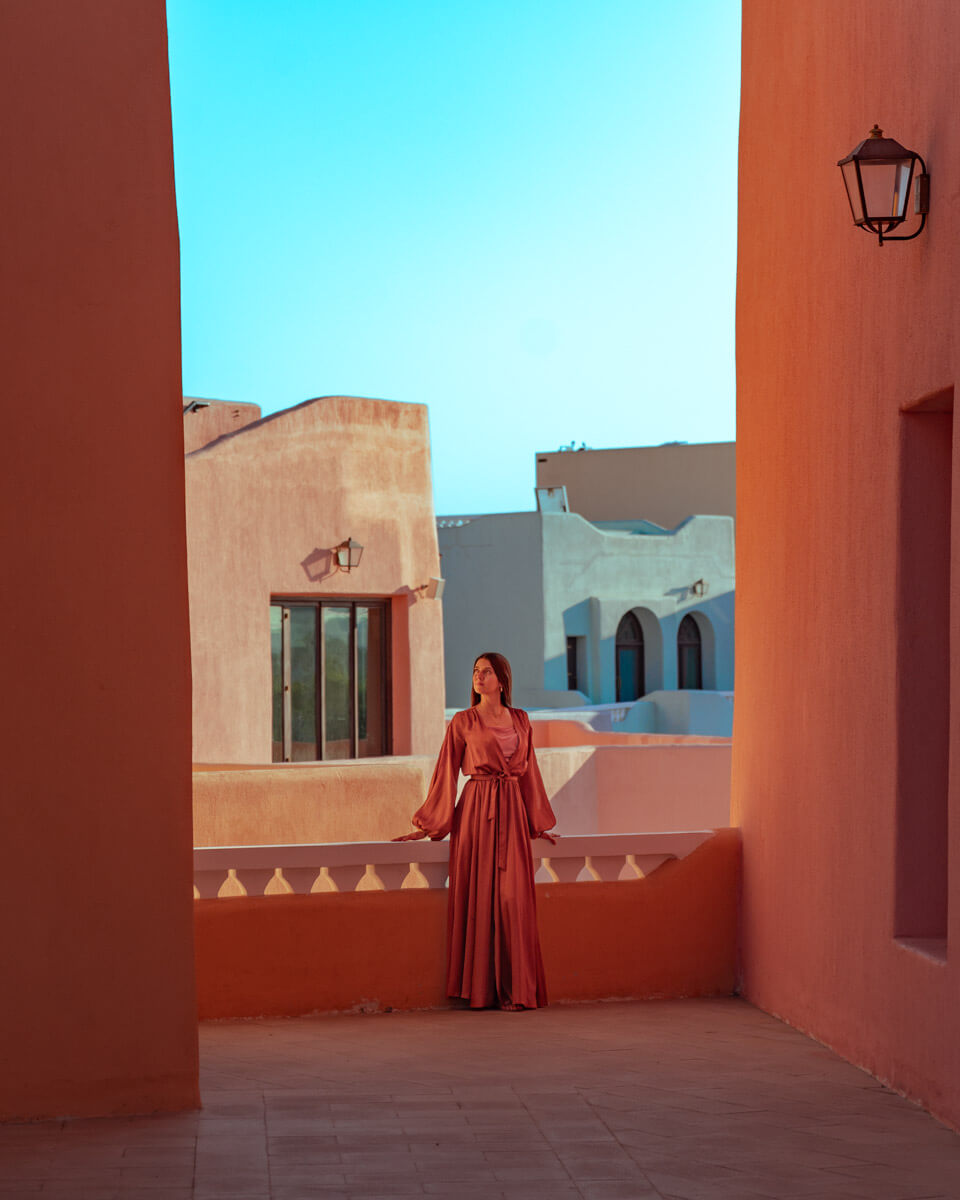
(932, 948)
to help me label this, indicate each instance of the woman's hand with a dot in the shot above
(411, 837)
(550, 837)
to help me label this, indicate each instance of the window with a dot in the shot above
(574, 657)
(330, 681)
(689, 654)
(630, 666)
(922, 677)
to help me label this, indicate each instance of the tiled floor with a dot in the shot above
(699, 1100)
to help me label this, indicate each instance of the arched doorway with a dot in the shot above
(630, 668)
(689, 654)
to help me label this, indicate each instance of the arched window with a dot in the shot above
(630, 681)
(689, 655)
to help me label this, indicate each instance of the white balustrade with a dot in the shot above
(225, 871)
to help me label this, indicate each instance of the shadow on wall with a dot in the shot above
(570, 778)
(319, 564)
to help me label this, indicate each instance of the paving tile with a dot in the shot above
(692, 1100)
(297, 1192)
(607, 1189)
(539, 1191)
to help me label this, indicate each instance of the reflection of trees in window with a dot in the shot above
(330, 682)
(630, 666)
(689, 654)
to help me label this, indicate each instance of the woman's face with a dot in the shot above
(485, 681)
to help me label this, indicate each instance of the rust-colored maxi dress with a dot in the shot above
(493, 950)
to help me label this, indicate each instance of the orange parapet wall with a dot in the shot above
(97, 1010)
(671, 934)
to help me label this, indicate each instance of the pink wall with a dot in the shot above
(558, 732)
(840, 693)
(263, 507)
(604, 789)
(97, 1010)
(290, 803)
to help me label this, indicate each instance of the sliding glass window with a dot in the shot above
(330, 679)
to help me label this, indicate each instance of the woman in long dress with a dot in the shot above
(493, 949)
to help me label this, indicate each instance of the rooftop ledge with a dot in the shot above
(223, 872)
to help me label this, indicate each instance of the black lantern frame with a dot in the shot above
(876, 151)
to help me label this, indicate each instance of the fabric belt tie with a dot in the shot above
(497, 777)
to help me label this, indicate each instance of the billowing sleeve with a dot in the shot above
(539, 813)
(435, 815)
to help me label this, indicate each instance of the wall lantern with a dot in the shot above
(348, 554)
(877, 176)
(432, 590)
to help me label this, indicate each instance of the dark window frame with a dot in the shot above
(285, 603)
(688, 644)
(630, 636)
(573, 664)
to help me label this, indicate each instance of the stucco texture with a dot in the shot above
(265, 507)
(835, 336)
(97, 1011)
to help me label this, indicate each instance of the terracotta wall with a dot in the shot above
(673, 934)
(845, 620)
(264, 507)
(97, 1010)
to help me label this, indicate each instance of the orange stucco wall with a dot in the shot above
(97, 1008)
(835, 335)
(673, 934)
(264, 507)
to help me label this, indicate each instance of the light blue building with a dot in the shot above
(620, 613)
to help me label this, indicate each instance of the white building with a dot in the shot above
(593, 613)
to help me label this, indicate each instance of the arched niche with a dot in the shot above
(696, 652)
(638, 654)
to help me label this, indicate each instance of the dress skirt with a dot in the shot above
(494, 954)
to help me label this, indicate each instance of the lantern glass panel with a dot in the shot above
(904, 171)
(853, 190)
(885, 187)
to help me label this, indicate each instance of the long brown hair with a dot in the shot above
(501, 668)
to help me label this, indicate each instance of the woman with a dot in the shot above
(493, 951)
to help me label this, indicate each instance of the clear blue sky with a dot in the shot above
(521, 213)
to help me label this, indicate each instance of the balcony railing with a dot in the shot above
(225, 871)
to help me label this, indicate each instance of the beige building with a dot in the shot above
(664, 484)
(303, 649)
